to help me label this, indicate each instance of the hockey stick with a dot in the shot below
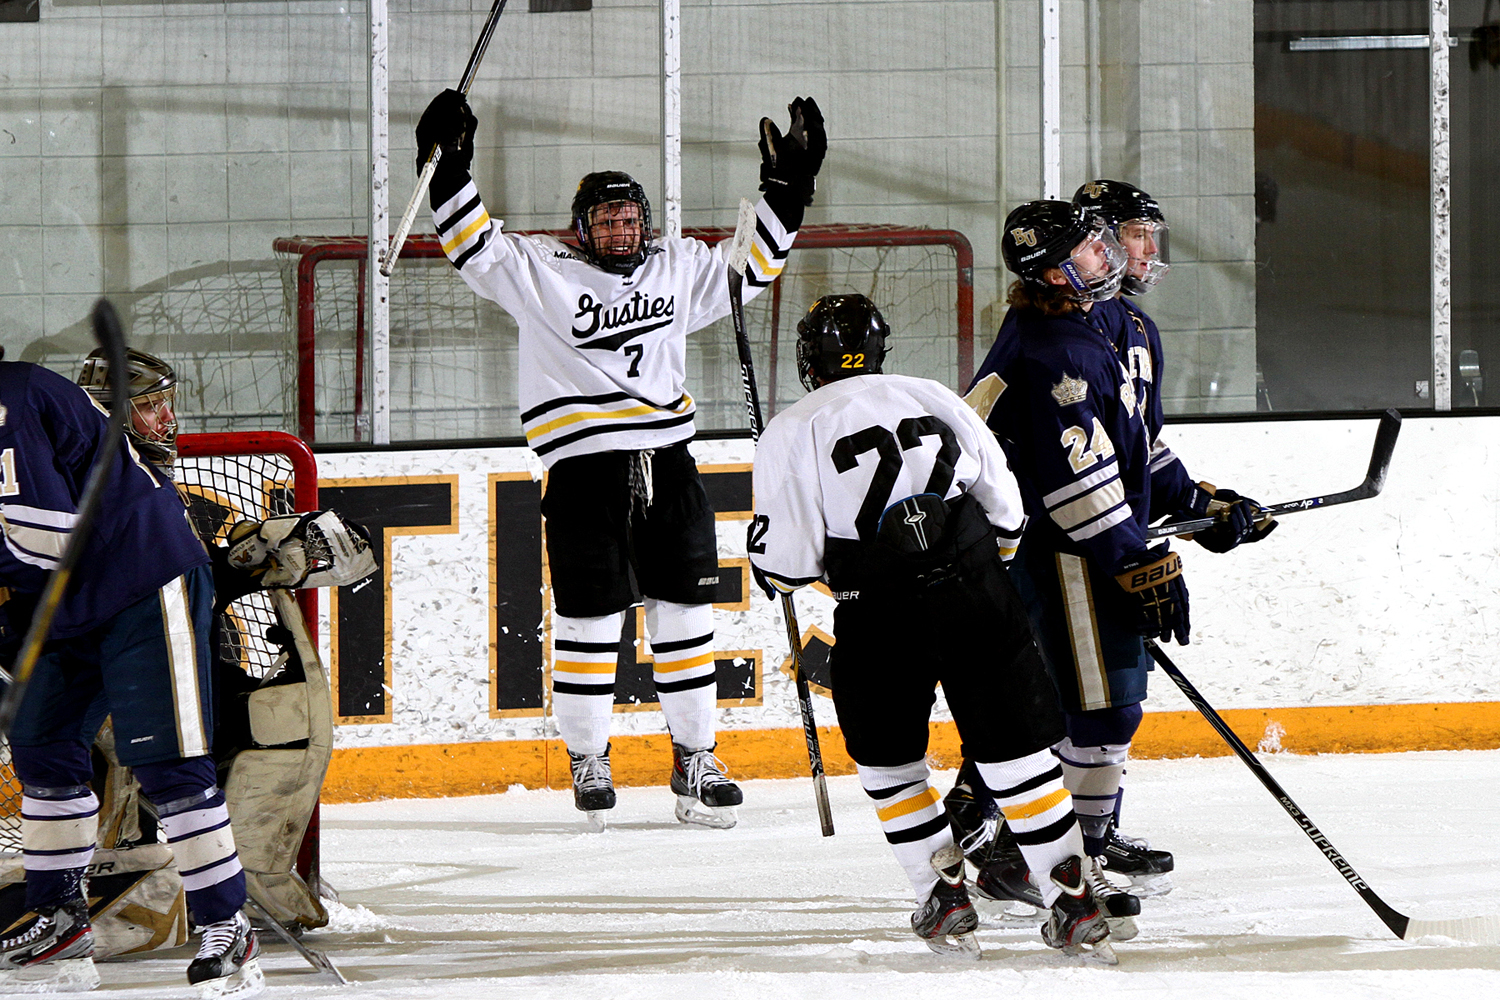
(1380, 462)
(739, 256)
(424, 179)
(107, 331)
(1480, 930)
(317, 959)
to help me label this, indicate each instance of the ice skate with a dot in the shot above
(1001, 875)
(1134, 859)
(226, 965)
(593, 786)
(1120, 908)
(49, 952)
(704, 795)
(1076, 925)
(946, 922)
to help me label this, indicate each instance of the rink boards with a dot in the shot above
(1363, 627)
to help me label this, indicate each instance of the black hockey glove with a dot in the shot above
(1153, 581)
(1240, 518)
(788, 163)
(449, 123)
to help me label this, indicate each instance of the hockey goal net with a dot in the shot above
(224, 478)
(453, 356)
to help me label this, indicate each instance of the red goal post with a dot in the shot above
(921, 277)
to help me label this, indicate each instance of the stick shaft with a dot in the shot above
(1396, 921)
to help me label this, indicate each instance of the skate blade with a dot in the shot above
(1007, 912)
(596, 820)
(1122, 928)
(247, 982)
(690, 810)
(959, 947)
(1102, 953)
(70, 975)
(1151, 885)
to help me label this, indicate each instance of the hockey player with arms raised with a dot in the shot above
(603, 327)
(893, 491)
(130, 639)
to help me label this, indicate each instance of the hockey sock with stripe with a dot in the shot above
(682, 648)
(1093, 774)
(1039, 811)
(912, 817)
(585, 652)
(58, 829)
(195, 819)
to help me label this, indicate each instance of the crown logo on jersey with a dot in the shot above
(1070, 390)
(1026, 237)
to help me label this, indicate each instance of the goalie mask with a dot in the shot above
(612, 220)
(1139, 225)
(1042, 235)
(153, 401)
(841, 336)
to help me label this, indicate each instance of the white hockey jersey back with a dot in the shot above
(829, 466)
(603, 356)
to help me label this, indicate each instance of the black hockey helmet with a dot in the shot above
(1138, 223)
(1041, 235)
(153, 398)
(841, 336)
(602, 188)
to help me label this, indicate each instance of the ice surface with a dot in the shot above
(506, 896)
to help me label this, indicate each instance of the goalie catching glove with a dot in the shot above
(1241, 519)
(316, 549)
(1153, 582)
(789, 163)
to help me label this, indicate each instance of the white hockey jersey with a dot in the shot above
(603, 356)
(829, 466)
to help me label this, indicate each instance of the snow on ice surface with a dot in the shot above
(506, 896)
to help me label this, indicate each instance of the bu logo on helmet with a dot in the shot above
(1094, 189)
(1026, 237)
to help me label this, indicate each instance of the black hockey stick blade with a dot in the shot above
(1481, 930)
(110, 337)
(1374, 482)
(809, 721)
(317, 959)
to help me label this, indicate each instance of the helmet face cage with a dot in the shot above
(595, 191)
(153, 400)
(840, 337)
(1097, 265)
(1138, 222)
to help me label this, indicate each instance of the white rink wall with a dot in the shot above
(1385, 601)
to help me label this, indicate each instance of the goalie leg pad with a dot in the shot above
(682, 646)
(585, 653)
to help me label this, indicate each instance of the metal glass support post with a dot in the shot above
(1051, 91)
(671, 117)
(1442, 277)
(378, 291)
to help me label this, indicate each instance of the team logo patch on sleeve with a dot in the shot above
(1070, 390)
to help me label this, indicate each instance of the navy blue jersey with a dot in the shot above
(1073, 428)
(50, 430)
(1139, 348)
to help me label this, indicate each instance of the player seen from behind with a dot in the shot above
(1074, 374)
(893, 491)
(130, 639)
(603, 327)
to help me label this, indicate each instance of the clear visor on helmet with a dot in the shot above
(615, 228)
(153, 416)
(1096, 265)
(1145, 240)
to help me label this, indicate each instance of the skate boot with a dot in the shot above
(49, 952)
(593, 786)
(1120, 908)
(1134, 859)
(704, 795)
(971, 812)
(1004, 878)
(947, 921)
(1076, 925)
(226, 965)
